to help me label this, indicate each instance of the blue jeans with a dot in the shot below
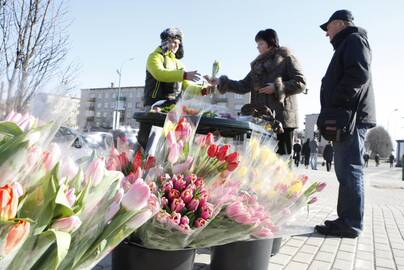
(348, 164)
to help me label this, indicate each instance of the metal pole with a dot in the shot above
(117, 112)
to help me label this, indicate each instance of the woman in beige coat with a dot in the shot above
(274, 80)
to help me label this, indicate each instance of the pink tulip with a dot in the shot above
(164, 202)
(210, 139)
(172, 194)
(199, 182)
(187, 195)
(207, 211)
(177, 205)
(162, 217)
(174, 153)
(262, 232)
(139, 219)
(137, 196)
(168, 186)
(179, 183)
(203, 198)
(235, 209)
(69, 169)
(71, 197)
(175, 218)
(200, 222)
(321, 186)
(133, 177)
(184, 220)
(17, 234)
(190, 179)
(52, 156)
(185, 228)
(193, 205)
(67, 224)
(95, 172)
(153, 204)
(171, 138)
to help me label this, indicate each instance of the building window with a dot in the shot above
(99, 95)
(237, 107)
(98, 105)
(113, 95)
(106, 105)
(97, 124)
(106, 95)
(237, 96)
(92, 95)
(105, 114)
(139, 105)
(98, 114)
(139, 93)
(113, 105)
(129, 104)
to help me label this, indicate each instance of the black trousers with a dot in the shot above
(285, 141)
(328, 165)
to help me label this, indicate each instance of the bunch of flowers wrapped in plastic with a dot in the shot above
(251, 193)
(56, 213)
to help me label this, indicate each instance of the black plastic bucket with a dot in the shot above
(276, 245)
(242, 255)
(132, 256)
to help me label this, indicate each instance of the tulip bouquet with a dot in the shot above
(55, 213)
(268, 194)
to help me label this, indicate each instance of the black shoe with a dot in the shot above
(332, 223)
(336, 232)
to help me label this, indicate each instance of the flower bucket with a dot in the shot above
(276, 245)
(242, 255)
(131, 255)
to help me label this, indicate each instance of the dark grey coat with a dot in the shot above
(280, 67)
(349, 74)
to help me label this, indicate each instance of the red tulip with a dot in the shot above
(212, 150)
(8, 202)
(222, 152)
(17, 235)
(233, 157)
(150, 163)
(232, 166)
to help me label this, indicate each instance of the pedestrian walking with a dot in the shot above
(347, 84)
(366, 159)
(297, 148)
(306, 153)
(313, 153)
(392, 158)
(328, 155)
(377, 159)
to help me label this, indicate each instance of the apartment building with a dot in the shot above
(97, 106)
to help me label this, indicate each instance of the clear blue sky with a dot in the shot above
(104, 34)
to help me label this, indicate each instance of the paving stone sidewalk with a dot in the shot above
(379, 247)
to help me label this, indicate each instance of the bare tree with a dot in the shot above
(378, 140)
(34, 44)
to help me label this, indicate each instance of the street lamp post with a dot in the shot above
(117, 111)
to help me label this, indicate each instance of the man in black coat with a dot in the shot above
(347, 84)
(328, 155)
(297, 148)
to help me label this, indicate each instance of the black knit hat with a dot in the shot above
(343, 14)
(269, 36)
